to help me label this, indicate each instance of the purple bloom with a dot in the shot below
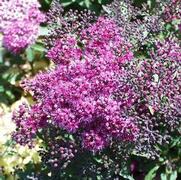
(172, 11)
(169, 48)
(94, 141)
(78, 95)
(19, 35)
(28, 121)
(65, 50)
(19, 22)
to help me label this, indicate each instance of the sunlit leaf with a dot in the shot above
(152, 173)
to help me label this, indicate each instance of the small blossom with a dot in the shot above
(19, 22)
(169, 48)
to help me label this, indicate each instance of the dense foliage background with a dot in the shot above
(21, 162)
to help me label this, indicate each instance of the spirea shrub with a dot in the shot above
(100, 99)
(78, 94)
(19, 23)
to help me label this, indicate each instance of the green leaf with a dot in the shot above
(125, 173)
(106, 9)
(47, 2)
(29, 54)
(2, 177)
(2, 51)
(11, 75)
(129, 177)
(152, 173)
(98, 160)
(87, 3)
(43, 31)
(38, 47)
(175, 141)
(163, 176)
(67, 2)
(173, 176)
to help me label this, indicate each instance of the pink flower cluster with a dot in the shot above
(78, 95)
(27, 121)
(169, 48)
(19, 22)
(69, 50)
(172, 11)
(99, 39)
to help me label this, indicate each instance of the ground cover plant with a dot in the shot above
(99, 86)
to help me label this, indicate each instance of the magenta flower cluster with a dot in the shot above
(79, 94)
(169, 48)
(96, 40)
(27, 121)
(19, 23)
(69, 50)
(153, 88)
(172, 11)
